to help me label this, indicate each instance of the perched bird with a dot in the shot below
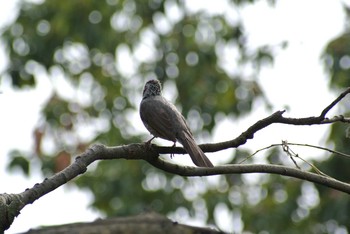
(162, 119)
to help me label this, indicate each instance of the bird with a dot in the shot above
(163, 120)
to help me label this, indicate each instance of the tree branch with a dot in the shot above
(277, 117)
(335, 102)
(252, 168)
(11, 204)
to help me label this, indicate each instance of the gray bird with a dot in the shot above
(162, 119)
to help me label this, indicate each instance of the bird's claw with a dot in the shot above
(172, 154)
(148, 143)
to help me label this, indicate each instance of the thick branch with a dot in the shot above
(12, 204)
(252, 168)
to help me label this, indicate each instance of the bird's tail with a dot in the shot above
(197, 155)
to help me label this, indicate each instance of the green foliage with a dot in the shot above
(19, 161)
(337, 61)
(133, 188)
(105, 51)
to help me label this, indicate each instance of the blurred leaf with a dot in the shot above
(18, 161)
(337, 61)
(63, 159)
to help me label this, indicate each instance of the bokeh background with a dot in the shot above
(72, 74)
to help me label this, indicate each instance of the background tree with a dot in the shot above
(104, 51)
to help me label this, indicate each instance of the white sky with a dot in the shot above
(297, 80)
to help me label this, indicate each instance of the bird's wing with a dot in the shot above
(157, 118)
(185, 125)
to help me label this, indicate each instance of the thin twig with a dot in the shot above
(290, 153)
(322, 148)
(335, 102)
(256, 152)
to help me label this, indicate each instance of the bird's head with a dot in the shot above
(152, 88)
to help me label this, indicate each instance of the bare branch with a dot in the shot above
(277, 117)
(12, 204)
(335, 102)
(253, 168)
